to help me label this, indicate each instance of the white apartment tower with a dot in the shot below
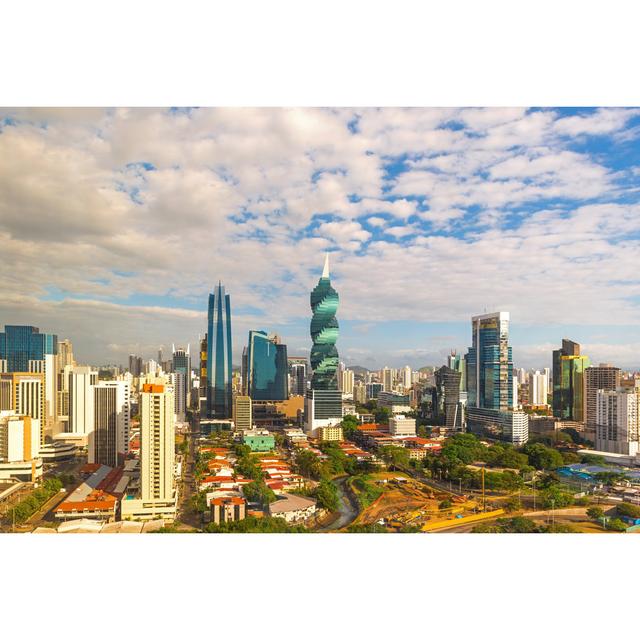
(617, 418)
(538, 386)
(81, 400)
(157, 444)
(347, 382)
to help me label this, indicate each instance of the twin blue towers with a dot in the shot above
(324, 335)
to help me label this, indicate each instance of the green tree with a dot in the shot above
(308, 464)
(327, 495)
(445, 504)
(395, 457)
(628, 510)
(615, 524)
(542, 457)
(257, 491)
(555, 497)
(595, 513)
(349, 426)
(382, 415)
(254, 525)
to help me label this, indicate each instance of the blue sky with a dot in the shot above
(118, 222)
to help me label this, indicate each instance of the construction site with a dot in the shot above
(405, 502)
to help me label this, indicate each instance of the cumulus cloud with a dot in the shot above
(116, 223)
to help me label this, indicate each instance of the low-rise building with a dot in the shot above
(96, 497)
(400, 425)
(293, 508)
(330, 434)
(259, 440)
(227, 509)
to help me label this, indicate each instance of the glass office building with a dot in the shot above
(489, 363)
(219, 392)
(569, 382)
(324, 333)
(20, 344)
(266, 368)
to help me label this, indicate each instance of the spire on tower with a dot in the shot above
(325, 271)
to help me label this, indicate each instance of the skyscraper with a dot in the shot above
(447, 408)
(135, 365)
(182, 369)
(347, 382)
(569, 397)
(618, 420)
(242, 413)
(604, 376)
(456, 362)
(489, 363)
(406, 377)
(538, 386)
(324, 333)
(297, 375)
(490, 382)
(20, 344)
(81, 400)
(24, 349)
(387, 379)
(219, 390)
(267, 373)
(323, 404)
(156, 496)
(109, 442)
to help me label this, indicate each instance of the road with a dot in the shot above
(188, 482)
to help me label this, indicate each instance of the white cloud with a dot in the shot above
(89, 237)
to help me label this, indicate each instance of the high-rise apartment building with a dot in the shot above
(267, 368)
(135, 365)
(604, 376)
(157, 496)
(23, 349)
(157, 444)
(19, 437)
(359, 392)
(617, 420)
(108, 443)
(24, 393)
(386, 376)
(348, 380)
(242, 413)
(219, 369)
(405, 376)
(81, 400)
(182, 365)
(538, 386)
(569, 385)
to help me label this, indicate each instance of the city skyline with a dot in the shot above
(431, 216)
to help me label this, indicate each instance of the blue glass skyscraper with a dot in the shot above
(489, 363)
(266, 368)
(219, 393)
(19, 344)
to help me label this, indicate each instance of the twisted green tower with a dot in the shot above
(324, 333)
